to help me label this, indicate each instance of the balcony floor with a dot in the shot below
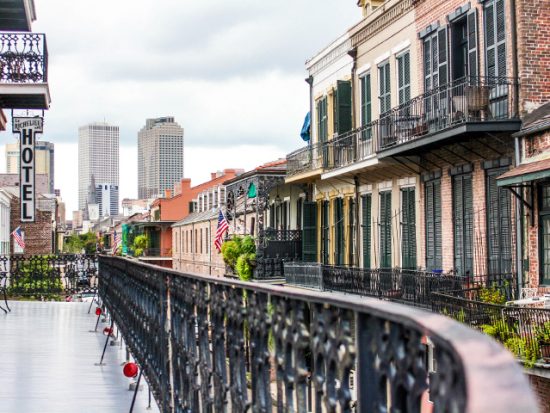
(48, 363)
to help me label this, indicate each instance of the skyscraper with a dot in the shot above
(44, 160)
(107, 198)
(160, 156)
(98, 146)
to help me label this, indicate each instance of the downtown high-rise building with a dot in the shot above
(43, 158)
(98, 157)
(160, 156)
(107, 199)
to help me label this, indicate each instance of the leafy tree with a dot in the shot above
(74, 244)
(240, 254)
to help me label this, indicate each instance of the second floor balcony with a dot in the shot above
(472, 105)
(460, 109)
(24, 71)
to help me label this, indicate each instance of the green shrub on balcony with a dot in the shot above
(35, 279)
(239, 254)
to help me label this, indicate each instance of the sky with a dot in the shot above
(231, 73)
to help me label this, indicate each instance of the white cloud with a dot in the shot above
(231, 73)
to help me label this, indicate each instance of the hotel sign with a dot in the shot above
(27, 129)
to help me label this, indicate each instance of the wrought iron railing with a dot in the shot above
(210, 344)
(46, 276)
(271, 234)
(410, 286)
(349, 148)
(524, 331)
(23, 58)
(304, 159)
(472, 99)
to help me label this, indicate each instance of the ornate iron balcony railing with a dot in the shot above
(46, 276)
(471, 99)
(208, 344)
(23, 58)
(304, 159)
(468, 100)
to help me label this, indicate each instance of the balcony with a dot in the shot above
(304, 163)
(475, 105)
(211, 344)
(351, 149)
(24, 71)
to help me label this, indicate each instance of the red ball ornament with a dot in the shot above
(107, 331)
(130, 370)
(98, 311)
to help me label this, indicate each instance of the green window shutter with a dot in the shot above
(499, 228)
(385, 229)
(366, 105)
(472, 43)
(408, 228)
(322, 125)
(309, 234)
(338, 231)
(343, 107)
(404, 78)
(325, 229)
(384, 87)
(366, 226)
(434, 258)
(463, 224)
(351, 231)
(442, 56)
(495, 38)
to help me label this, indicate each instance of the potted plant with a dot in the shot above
(542, 335)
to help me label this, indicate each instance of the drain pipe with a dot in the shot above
(519, 225)
(517, 152)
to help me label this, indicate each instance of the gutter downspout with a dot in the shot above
(519, 203)
(353, 54)
(309, 81)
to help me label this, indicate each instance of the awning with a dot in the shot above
(526, 172)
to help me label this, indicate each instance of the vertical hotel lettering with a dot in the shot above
(27, 129)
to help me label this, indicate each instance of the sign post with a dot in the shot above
(27, 128)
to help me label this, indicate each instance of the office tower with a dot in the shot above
(44, 161)
(98, 146)
(107, 198)
(160, 156)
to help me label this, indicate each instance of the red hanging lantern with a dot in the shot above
(107, 331)
(130, 370)
(98, 311)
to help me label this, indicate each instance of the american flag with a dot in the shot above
(116, 241)
(223, 226)
(18, 235)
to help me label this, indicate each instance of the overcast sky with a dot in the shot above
(231, 73)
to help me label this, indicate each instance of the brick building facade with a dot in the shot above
(39, 235)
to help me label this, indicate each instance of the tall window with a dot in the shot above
(384, 87)
(463, 224)
(544, 228)
(404, 77)
(385, 229)
(499, 225)
(434, 257)
(408, 228)
(366, 201)
(366, 105)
